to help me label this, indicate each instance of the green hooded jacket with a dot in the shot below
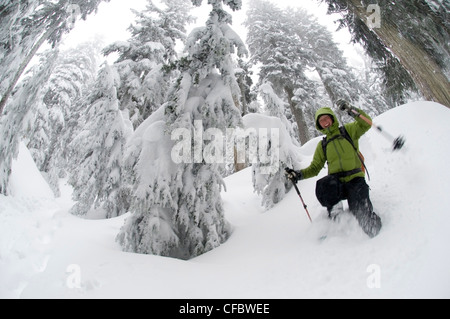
(340, 153)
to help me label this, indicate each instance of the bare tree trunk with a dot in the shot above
(329, 91)
(237, 165)
(241, 80)
(427, 75)
(333, 97)
(299, 117)
(23, 66)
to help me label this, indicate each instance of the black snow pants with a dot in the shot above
(356, 192)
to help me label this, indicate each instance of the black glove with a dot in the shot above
(343, 105)
(294, 176)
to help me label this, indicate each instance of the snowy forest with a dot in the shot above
(146, 133)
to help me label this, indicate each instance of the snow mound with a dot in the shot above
(47, 253)
(26, 181)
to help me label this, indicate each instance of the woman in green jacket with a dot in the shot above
(346, 176)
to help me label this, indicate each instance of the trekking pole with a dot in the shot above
(398, 142)
(301, 198)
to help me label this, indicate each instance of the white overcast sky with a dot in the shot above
(114, 17)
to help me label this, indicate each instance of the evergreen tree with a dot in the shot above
(177, 210)
(291, 43)
(275, 106)
(245, 83)
(271, 183)
(54, 118)
(97, 180)
(14, 44)
(143, 58)
(25, 26)
(410, 43)
(14, 116)
(324, 56)
(273, 44)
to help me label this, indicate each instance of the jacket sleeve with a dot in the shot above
(358, 127)
(317, 163)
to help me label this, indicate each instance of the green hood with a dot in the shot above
(328, 111)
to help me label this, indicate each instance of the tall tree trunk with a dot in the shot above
(333, 97)
(427, 75)
(241, 80)
(23, 66)
(299, 117)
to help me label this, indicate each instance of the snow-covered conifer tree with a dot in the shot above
(273, 43)
(272, 184)
(298, 45)
(175, 160)
(323, 54)
(25, 26)
(14, 115)
(276, 107)
(99, 147)
(54, 118)
(143, 58)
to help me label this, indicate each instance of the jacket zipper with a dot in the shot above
(339, 154)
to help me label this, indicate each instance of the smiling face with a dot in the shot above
(325, 121)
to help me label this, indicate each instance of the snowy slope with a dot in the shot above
(47, 253)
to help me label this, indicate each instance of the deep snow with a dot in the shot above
(47, 253)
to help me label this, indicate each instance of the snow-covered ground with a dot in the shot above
(47, 253)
